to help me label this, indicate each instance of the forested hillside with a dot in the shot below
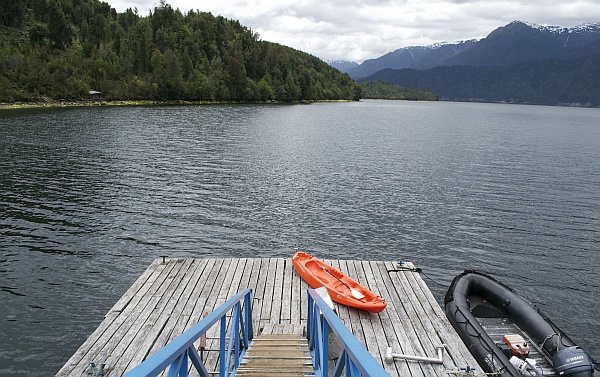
(384, 90)
(546, 82)
(62, 49)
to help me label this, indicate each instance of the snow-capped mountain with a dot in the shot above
(508, 45)
(418, 57)
(342, 65)
(589, 27)
(519, 41)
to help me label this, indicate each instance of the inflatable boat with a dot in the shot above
(509, 336)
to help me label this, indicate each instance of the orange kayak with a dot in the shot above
(342, 288)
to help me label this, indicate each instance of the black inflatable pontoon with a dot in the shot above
(486, 313)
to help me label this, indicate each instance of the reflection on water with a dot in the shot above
(91, 196)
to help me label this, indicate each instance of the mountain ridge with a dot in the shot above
(509, 44)
(342, 65)
(571, 82)
(419, 57)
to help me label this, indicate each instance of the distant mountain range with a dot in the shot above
(572, 82)
(342, 65)
(520, 54)
(417, 57)
(514, 43)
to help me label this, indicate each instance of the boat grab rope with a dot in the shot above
(401, 267)
(431, 279)
(467, 323)
(469, 373)
(550, 337)
(558, 332)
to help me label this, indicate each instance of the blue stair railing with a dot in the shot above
(354, 357)
(176, 354)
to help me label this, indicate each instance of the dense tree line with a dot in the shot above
(65, 48)
(383, 90)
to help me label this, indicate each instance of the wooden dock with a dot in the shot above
(170, 297)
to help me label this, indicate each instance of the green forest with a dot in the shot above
(63, 49)
(572, 82)
(384, 90)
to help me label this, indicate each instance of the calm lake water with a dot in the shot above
(90, 196)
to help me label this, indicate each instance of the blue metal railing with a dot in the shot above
(177, 353)
(356, 360)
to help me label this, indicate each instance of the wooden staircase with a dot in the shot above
(281, 355)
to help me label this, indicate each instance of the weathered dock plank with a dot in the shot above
(398, 328)
(438, 325)
(98, 347)
(170, 297)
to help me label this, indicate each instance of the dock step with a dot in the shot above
(280, 355)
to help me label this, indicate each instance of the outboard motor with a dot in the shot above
(573, 362)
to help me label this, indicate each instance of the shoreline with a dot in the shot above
(100, 103)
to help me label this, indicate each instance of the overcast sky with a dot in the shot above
(357, 30)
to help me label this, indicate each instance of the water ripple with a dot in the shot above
(91, 196)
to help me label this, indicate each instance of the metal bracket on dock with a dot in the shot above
(389, 356)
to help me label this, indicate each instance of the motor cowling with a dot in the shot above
(573, 362)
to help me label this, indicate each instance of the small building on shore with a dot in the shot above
(95, 95)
